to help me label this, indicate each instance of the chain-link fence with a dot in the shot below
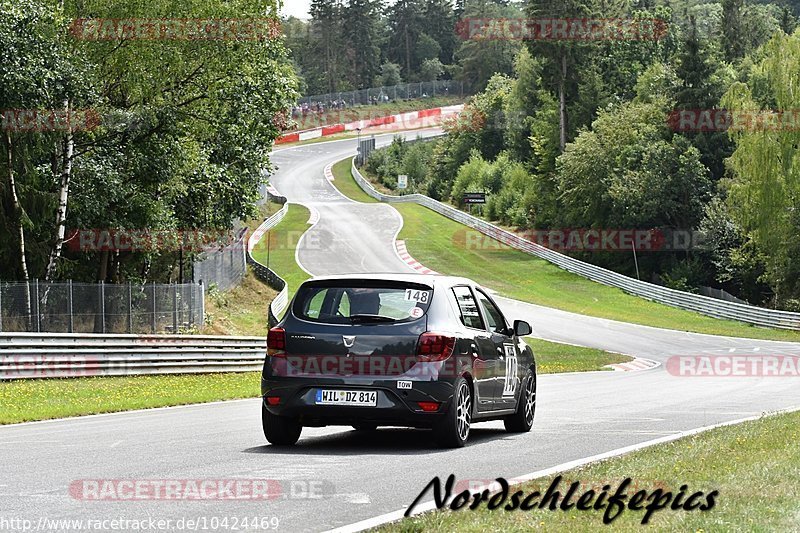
(223, 268)
(377, 95)
(100, 307)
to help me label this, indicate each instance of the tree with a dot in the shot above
(701, 86)
(765, 192)
(326, 42)
(480, 59)
(522, 104)
(432, 70)
(362, 33)
(732, 42)
(405, 23)
(439, 22)
(389, 76)
(560, 73)
(181, 144)
(630, 171)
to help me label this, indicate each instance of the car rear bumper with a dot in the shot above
(394, 406)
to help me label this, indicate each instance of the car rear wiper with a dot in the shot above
(371, 318)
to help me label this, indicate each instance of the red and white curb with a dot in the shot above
(635, 365)
(329, 172)
(402, 251)
(314, 218)
(406, 121)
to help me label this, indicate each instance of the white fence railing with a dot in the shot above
(32, 356)
(684, 300)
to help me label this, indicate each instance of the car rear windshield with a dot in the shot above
(362, 302)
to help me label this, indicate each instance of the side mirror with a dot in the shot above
(522, 328)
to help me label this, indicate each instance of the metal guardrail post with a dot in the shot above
(153, 319)
(174, 308)
(130, 308)
(71, 328)
(192, 288)
(202, 304)
(103, 306)
(36, 299)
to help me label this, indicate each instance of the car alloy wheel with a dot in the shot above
(463, 411)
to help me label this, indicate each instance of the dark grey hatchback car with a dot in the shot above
(396, 350)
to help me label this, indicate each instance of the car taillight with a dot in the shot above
(429, 407)
(435, 347)
(276, 342)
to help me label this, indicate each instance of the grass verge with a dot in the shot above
(753, 466)
(555, 358)
(241, 311)
(29, 400)
(277, 248)
(441, 244)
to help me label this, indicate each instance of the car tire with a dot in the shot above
(454, 429)
(365, 427)
(280, 430)
(522, 420)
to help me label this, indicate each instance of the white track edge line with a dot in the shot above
(429, 506)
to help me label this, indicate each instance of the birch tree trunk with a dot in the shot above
(562, 97)
(63, 197)
(17, 216)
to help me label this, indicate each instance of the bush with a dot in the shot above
(402, 157)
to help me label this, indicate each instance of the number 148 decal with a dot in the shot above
(417, 296)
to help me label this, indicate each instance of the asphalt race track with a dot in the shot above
(336, 476)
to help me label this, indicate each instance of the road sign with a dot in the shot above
(472, 198)
(402, 181)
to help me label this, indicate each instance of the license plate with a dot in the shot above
(347, 397)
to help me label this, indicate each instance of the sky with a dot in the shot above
(297, 8)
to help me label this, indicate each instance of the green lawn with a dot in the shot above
(444, 245)
(283, 240)
(28, 400)
(555, 358)
(754, 466)
(344, 181)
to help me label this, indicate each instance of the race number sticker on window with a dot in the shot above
(511, 371)
(417, 312)
(417, 296)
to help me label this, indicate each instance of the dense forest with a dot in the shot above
(172, 134)
(695, 133)
(180, 126)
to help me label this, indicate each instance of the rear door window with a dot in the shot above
(343, 302)
(470, 316)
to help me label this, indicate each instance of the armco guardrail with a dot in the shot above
(684, 300)
(262, 272)
(31, 355)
